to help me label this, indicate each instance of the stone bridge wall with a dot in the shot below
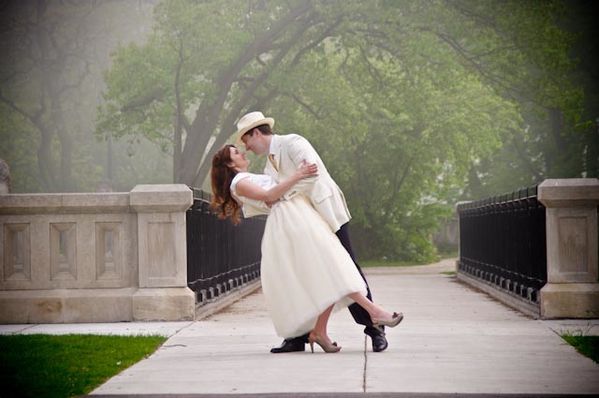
(95, 257)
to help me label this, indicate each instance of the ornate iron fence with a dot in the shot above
(503, 242)
(220, 255)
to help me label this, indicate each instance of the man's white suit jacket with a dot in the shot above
(327, 198)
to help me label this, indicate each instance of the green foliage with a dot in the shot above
(407, 102)
(399, 140)
(68, 365)
(51, 74)
(586, 345)
(17, 148)
(197, 37)
(555, 140)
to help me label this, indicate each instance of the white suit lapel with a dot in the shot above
(275, 152)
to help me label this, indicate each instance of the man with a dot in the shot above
(285, 153)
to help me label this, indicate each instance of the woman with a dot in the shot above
(305, 270)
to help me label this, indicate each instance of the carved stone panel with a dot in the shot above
(162, 250)
(161, 247)
(63, 251)
(17, 252)
(109, 260)
(573, 239)
(572, 245)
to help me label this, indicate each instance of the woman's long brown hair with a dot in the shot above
(221, 175)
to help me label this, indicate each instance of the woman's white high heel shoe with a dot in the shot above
(396, 318)
(325, 345)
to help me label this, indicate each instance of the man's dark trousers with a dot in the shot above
(360, 315)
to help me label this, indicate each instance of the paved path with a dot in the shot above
(454, 340)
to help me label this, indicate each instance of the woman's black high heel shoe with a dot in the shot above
(326, 346)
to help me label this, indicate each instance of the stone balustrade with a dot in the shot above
(561, 256)
(107, 257)
(95, 257)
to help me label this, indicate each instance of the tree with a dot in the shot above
(50, 73)
(401, 97)
(556, 97)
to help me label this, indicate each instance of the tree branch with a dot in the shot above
(156, 94)
(233, 114)
(510, 90)
(372, 70)
(22, 112)
(209, 114)
(326, 33)
(305, 105)
(178, 113)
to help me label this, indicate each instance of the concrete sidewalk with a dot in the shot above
(454, 340)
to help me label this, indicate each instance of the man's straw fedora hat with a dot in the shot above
(251, 120)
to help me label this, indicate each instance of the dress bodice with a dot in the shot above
(262, 180)
(252, 207)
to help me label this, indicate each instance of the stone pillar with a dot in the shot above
(572, 289)
(162, 255)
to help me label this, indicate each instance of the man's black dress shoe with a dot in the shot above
(291, 345)
(379, 341)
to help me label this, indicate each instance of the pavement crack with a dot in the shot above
(24, 329)
(365, 365)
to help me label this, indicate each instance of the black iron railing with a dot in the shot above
(503, 242)
(220, 255)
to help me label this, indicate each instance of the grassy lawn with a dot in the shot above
(586, 345)
(67, 365)
(449, 273)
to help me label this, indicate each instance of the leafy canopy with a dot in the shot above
(401, 98)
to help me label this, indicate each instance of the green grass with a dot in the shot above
(450, 273)
(386, 263)
(586, 345)
(67, 365)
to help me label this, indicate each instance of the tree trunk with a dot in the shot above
(44, 160)
(552, 155)
(209, 115)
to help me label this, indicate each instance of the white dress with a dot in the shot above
(304, 267)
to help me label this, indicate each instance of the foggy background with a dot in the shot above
(413, 105)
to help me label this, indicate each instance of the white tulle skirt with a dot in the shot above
(304, 268)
